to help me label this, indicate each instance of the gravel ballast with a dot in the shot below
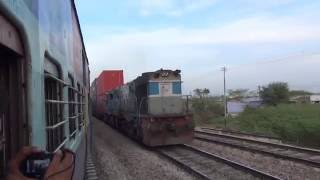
(118, 157)
(279, 167)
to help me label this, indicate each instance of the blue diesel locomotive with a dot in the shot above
(151, 109)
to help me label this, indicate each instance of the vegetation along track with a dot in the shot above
(288, 152)
(210, 166)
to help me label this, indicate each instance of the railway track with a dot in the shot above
(244, 135)
(287, 152)
(210, 166)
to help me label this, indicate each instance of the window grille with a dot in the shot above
(83, 106)
(80, 107)
(72, 109)
(54, 105)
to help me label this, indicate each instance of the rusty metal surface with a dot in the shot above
(12, 131)
(9, 36)
(167, 131)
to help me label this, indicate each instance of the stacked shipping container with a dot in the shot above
(107, 81)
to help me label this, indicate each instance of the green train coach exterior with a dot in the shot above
(44, 79)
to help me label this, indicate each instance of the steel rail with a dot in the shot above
(241, 133)
(262, 151)
(184, 166)
(238, 166)
(307, 150)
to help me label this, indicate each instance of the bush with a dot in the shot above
(296, 123)
(205, 109)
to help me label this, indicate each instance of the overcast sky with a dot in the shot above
(259, 41)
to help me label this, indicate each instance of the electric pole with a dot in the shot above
(224, 69)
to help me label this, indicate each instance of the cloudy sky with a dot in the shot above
(258, 41)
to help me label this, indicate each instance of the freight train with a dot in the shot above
(104, 83)
(151, 109)
(44, 79)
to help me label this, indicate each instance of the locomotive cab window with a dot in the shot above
(176, 88)
(153, 88)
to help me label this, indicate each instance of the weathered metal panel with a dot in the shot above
(166, 105)
(9, 36)
(167, 130)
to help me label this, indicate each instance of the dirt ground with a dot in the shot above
(118, 157)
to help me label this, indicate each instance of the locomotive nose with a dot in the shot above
(171, 126)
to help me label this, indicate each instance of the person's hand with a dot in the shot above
(61, 167)
(14, 164)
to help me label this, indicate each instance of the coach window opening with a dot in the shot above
(80, 105)
(73, 115)
(13, 118)
(54, 105)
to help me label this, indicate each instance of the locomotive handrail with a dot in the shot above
(139, 110)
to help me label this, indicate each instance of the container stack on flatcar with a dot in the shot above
(44, 80)
(104, 83)
(151, 109)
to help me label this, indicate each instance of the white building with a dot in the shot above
(236, 107)
(315, 99)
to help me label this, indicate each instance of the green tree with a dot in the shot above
(201, 92)
(198, 92)
(275, 93)
(205, 92)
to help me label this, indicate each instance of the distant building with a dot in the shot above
(315, 99)
(253, 102)
(235, 107)
(300, 99)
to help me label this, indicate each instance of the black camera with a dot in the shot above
(36, 165)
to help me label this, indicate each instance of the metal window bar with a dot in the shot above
(83, 106)
(54, 112)
(72, 112)
(61, 102)
(57, 125)
(61, 145)
(80, 105)
(75, 90)
(50, 76)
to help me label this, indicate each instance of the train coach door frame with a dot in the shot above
(13, 129)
